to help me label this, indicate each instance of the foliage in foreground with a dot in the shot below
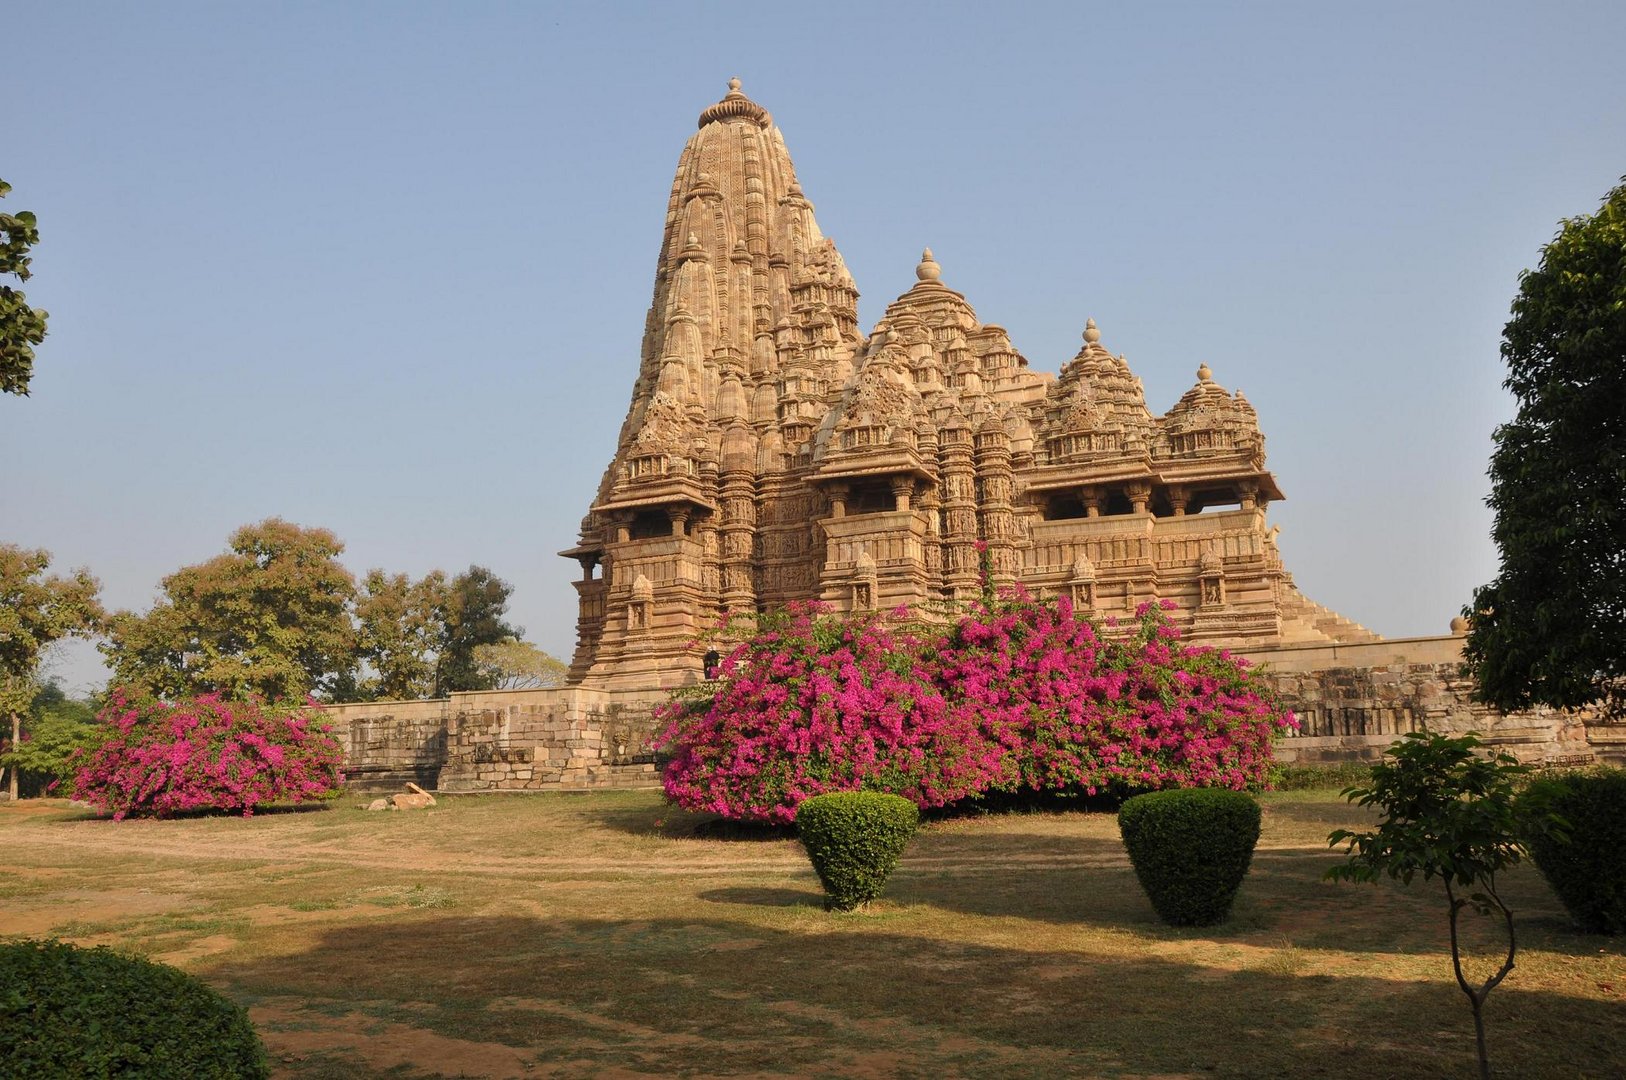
(1190, 848)
(1449, 811)
(854, 839)
(1551, 628)
(21, 327)
(1017, 695)
(1587, 866)
(66, 1011)
(206, 753)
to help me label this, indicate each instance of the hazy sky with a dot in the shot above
(384, 267)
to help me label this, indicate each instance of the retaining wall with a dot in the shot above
(1354, 700)
(1351, 700)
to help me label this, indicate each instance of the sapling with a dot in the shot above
(1449, 812)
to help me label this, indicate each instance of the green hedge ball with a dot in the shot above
(1191, 848)
(854, 839)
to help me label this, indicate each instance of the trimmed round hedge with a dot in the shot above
(854, 839)
(1190, 848)
(66, 1011)
(1587, 869)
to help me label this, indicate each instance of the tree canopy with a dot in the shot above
(37, 609)
(474, 617)
(21, 327)
(401, 624)
(279, 616)
(270, 617)
(1551, 628)
(519, 665)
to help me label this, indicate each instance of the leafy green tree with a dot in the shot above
(1551, 628)
(36, 610)
(270, 617)
(55, 727)
(21, 327)
(401, 624)
(1448, 812)
(474, 617)
(512, 664)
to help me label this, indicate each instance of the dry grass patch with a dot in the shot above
(607, 935)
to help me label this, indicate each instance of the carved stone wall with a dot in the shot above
(1352, 701)
(562, 739)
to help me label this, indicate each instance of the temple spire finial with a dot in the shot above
(928, 270)
(736, 106)
(1092, 333)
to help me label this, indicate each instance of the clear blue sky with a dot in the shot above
(383, 267)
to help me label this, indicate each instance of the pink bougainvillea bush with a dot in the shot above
(1086, 711)
(1017, 694)
(207, 753)
(814, 704)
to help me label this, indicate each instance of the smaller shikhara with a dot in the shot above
(773, 454)
(1017, 694)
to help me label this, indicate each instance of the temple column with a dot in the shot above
(959, 512)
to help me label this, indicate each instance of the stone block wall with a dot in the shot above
(560, 739)
(1353, 700)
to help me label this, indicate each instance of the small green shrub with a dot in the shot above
(854, 839)
(1337, 775)
(66, 1011)
(1190, 848)
(1586, 863)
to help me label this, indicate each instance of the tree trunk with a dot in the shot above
(16, 741)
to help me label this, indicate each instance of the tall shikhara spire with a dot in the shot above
(771, 454)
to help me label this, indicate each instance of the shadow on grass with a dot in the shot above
(1088, 881)
(844, 995)
(764, 897)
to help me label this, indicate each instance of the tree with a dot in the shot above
(21, 327)
(518, 665)
(1551, 628)
(401, 624)
(36, 610)
(55, 728)
(1450, 813)
(270, 617)
(474, 617)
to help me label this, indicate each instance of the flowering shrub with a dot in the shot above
(1016, 694)
(206, 753)
(1072, 709)
(815, 704)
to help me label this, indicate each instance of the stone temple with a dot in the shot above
(772, 453)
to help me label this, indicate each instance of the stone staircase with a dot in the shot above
(1305, 622)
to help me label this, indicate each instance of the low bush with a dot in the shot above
(854, 839)
(1190, 849)
(206, 753)
(1338, 775)
(1585, 863)
(66, 1011)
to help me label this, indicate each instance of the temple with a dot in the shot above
(771, 453)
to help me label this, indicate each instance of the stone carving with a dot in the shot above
(414, 798)
(779, 444)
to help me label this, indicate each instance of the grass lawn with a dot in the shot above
(600, 935)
